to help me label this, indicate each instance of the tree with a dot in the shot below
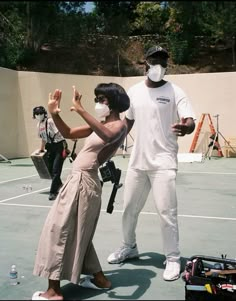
(114, 17)
(150, 18)
(11, 39)
(26, 25)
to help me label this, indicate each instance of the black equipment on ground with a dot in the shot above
(210, 278)
(214, 144)
(125, 146)
(214, 138)
(4, 159)
(110, 173)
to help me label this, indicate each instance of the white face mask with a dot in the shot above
(102, 110)
(156, 73)
(39, 117)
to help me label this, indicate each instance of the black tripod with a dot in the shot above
(125, 146)
(214, 144)
(4, 159)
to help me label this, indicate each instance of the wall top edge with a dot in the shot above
(119, 77)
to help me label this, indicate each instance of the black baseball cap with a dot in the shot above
(39, 110)
(156, 49)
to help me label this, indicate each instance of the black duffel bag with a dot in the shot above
(210, 278)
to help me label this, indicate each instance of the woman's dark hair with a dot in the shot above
(116, 95)
(39, 110)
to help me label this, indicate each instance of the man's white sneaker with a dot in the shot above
(172, 270)
(122, 254)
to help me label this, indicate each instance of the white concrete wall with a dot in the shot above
(21, 91)
(9, 102)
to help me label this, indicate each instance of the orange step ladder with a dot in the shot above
(214, 135)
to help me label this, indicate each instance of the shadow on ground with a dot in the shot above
(139, 278)
(153, 259)
(124, 278)
(44, 192)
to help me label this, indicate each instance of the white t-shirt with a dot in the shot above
(52, 131)
(155, 110)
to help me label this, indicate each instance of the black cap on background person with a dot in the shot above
(156, 63)
(157, 50)
(39, 113)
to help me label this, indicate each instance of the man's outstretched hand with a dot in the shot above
(181, 128)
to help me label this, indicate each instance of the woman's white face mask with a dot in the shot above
(156, 73)
(39, 117)
(102, 110)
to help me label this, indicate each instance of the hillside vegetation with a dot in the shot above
(101, 57)
(62, 37)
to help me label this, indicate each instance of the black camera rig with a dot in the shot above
(110, 173)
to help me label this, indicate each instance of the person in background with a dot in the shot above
(56, 146)
(162, 112)
(65, 249)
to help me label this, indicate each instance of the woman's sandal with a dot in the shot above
(87, 283)
(36, 296)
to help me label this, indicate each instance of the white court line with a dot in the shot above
(209, 172)
(203, 172)
(188, 172)
(18, 179)
(21, 195)
(143, 212)
(208, 217)
(196, 216)
(25, 205)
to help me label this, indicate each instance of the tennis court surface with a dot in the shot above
(207, 221)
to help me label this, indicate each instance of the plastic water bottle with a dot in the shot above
(13, 275)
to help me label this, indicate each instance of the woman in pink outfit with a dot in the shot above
(65, 249)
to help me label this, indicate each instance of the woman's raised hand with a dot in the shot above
(76, 100)
(54, 102)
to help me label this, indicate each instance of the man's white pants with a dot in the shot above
(138, 184)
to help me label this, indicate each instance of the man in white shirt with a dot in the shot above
(161, 112)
